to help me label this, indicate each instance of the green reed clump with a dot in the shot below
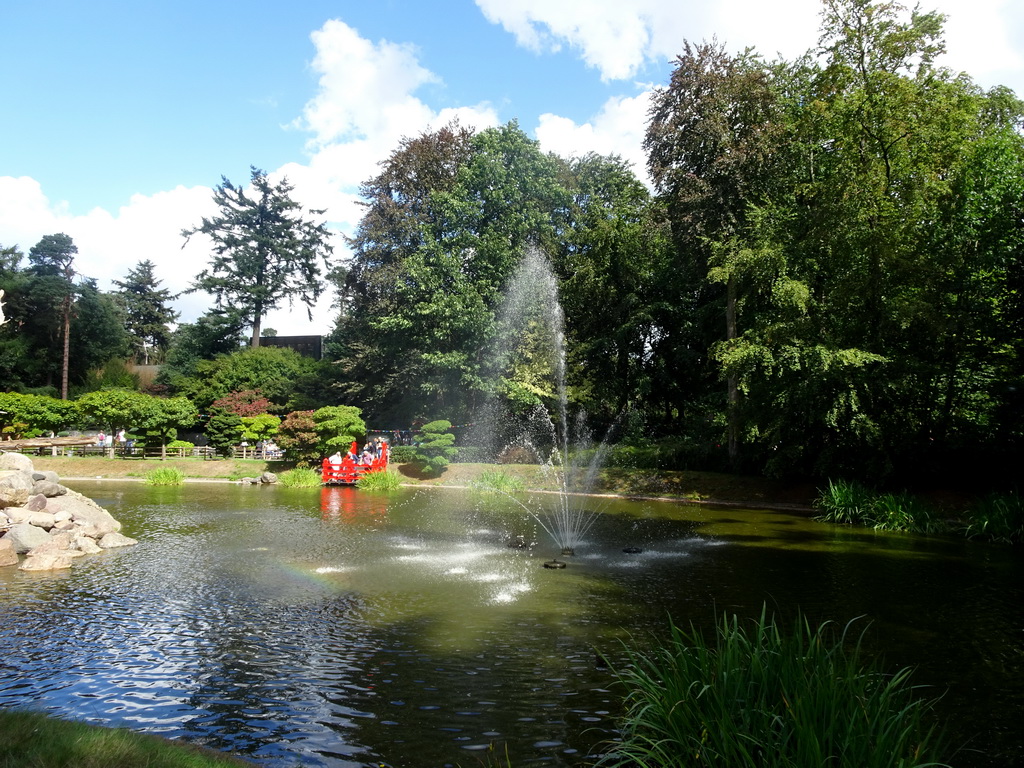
(846, 502)
(165, 476)
(301, 477)
(850, 503)
(379, 481)
(997, 517)
(758, 697)
(497, 481)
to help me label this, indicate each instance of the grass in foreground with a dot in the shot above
(165, 476)
(758, 697)
(37, 740)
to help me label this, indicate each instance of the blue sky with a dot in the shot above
(119, 117)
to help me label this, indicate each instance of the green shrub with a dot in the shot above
(378, 481)
(997, 517)
(758, 697)
(165, 476)
(402, 454)
(183, 445)
(301, 477)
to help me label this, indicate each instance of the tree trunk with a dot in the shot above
(67, 350)
(733, 384)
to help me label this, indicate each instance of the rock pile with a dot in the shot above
(48, 523)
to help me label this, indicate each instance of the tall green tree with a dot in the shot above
(711, 140)
(265, 250)
(147, 314)
(52, 260)
(429, 288)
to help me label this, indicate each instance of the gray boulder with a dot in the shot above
(36, 503)
(87, 544)
(48, 489)
(39, 519)
(85, 512)
(268, 477)
(112, 540)
(15, 461)
(26, 537)
(52, 561)
(47, 475)
(15, 486)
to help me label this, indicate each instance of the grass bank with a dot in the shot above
(34, 739)
(693, 486)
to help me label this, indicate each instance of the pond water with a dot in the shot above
(333, 627)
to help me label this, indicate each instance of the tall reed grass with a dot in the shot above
(379, 481)
(165, 476)
(997, 517)
(301, 477)
(497, 481)
(757, 697)
(850, 503)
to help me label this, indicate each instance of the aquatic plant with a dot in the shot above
(850, 503)
(378, 481)
(846, 502)
(997, 517)
(756, 696)
(301, 477)
(165, 476)
(497, 481)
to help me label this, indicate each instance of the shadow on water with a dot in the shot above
(341, 628)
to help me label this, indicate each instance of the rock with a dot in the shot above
(46, 475)
(87, 545)
(62, 540)
(36, 503)
(268, 477)
(48, 562)
(25, 537)
(48, 489)
(16, 461)
(112, 540)
(15, 487)
(85, 512)
(64, 525)
(42, 520)
(62, 516)
(8, 556)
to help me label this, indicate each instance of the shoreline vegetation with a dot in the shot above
(702, 487)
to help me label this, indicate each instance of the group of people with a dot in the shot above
(373, 449)
(107, 441)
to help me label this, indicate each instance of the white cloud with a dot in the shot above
(617, 37)
(149, 227)
(364, 105)
(617, 129)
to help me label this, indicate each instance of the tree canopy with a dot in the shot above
(265, 251)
